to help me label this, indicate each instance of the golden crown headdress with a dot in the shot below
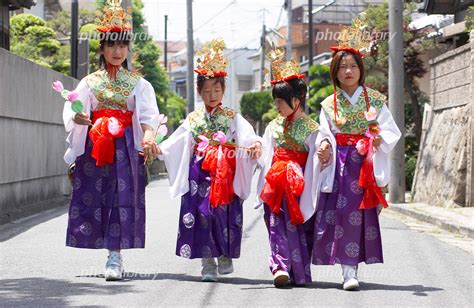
(355, 38)
(114, 18)
(283, 70)
(211, 61)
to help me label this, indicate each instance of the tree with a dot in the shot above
(61, 22)
(32, 39)
(176, 106)
(470, 19)
(320, 87)
(416, 42)
(253, 105)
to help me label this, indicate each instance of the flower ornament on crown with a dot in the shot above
(211, 61)
(114, 18)
(355, 38)
(282, 70)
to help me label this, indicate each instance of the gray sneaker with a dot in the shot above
(114, 267)
(209, 270)
(224, 265)
(349, 277)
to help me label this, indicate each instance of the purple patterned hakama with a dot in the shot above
(288, 245)
(108, 203)
(344, 233)
(206, 232)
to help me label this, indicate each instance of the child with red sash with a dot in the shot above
(107, 141)
(210, 161)
(289, 182)
(347, 229)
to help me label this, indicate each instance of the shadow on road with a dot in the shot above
(418, 290)
(52, 292)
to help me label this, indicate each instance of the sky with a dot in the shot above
(238, 22)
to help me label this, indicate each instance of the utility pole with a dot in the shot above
(74, 36)
(190, 51)
(166, 42)
(396, 102)
(310, 32)
(128, 4)
(262, 55)
(310, 45)
(289, 28)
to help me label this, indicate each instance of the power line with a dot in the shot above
(206, 22)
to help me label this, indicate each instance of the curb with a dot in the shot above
(444, 224)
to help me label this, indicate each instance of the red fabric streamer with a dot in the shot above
(103, 149)
(220, 162)
(372, 193)
(285, 179)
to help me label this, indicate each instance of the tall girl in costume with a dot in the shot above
(107, 209)
(347, 229)
(290, 170)
(210, 164)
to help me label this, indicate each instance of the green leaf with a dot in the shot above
(64, 94)
(77, 106)
(159, 139)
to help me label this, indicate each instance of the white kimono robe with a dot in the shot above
(142, 102)
(178, 149)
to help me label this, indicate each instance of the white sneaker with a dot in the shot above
(209, 270)
(280, 278)
(349, 277)
(224, 265)
(114, 267)
(351, 284)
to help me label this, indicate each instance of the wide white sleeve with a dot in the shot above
(146, 106)
(390, 134)
(264, 162)
(84, 96)
(176, 153)
(245, 166)
(315, 176)
(77, 133)
(326, 132)
(145, 110)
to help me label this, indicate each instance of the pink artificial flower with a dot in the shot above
(372, 131)
(162, 119)
(162, 130)
(72, 96)
(219, 137)
(362, 146)
(114, 126)
(58, 86)
(203, 144)
(371, 115)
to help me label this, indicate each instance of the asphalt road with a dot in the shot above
(37, 269)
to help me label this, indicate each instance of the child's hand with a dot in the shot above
(324, 152)
(150, 150)
(255, 150)
(82, 119)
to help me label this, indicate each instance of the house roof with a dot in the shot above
(445, 6)
(18, 4)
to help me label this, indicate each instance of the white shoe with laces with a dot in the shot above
(224, 265)
(114, 267)
(209, 270)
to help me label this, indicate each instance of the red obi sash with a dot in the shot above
(285, 178)
(107, 125)
(220, 162)
(372, 193)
